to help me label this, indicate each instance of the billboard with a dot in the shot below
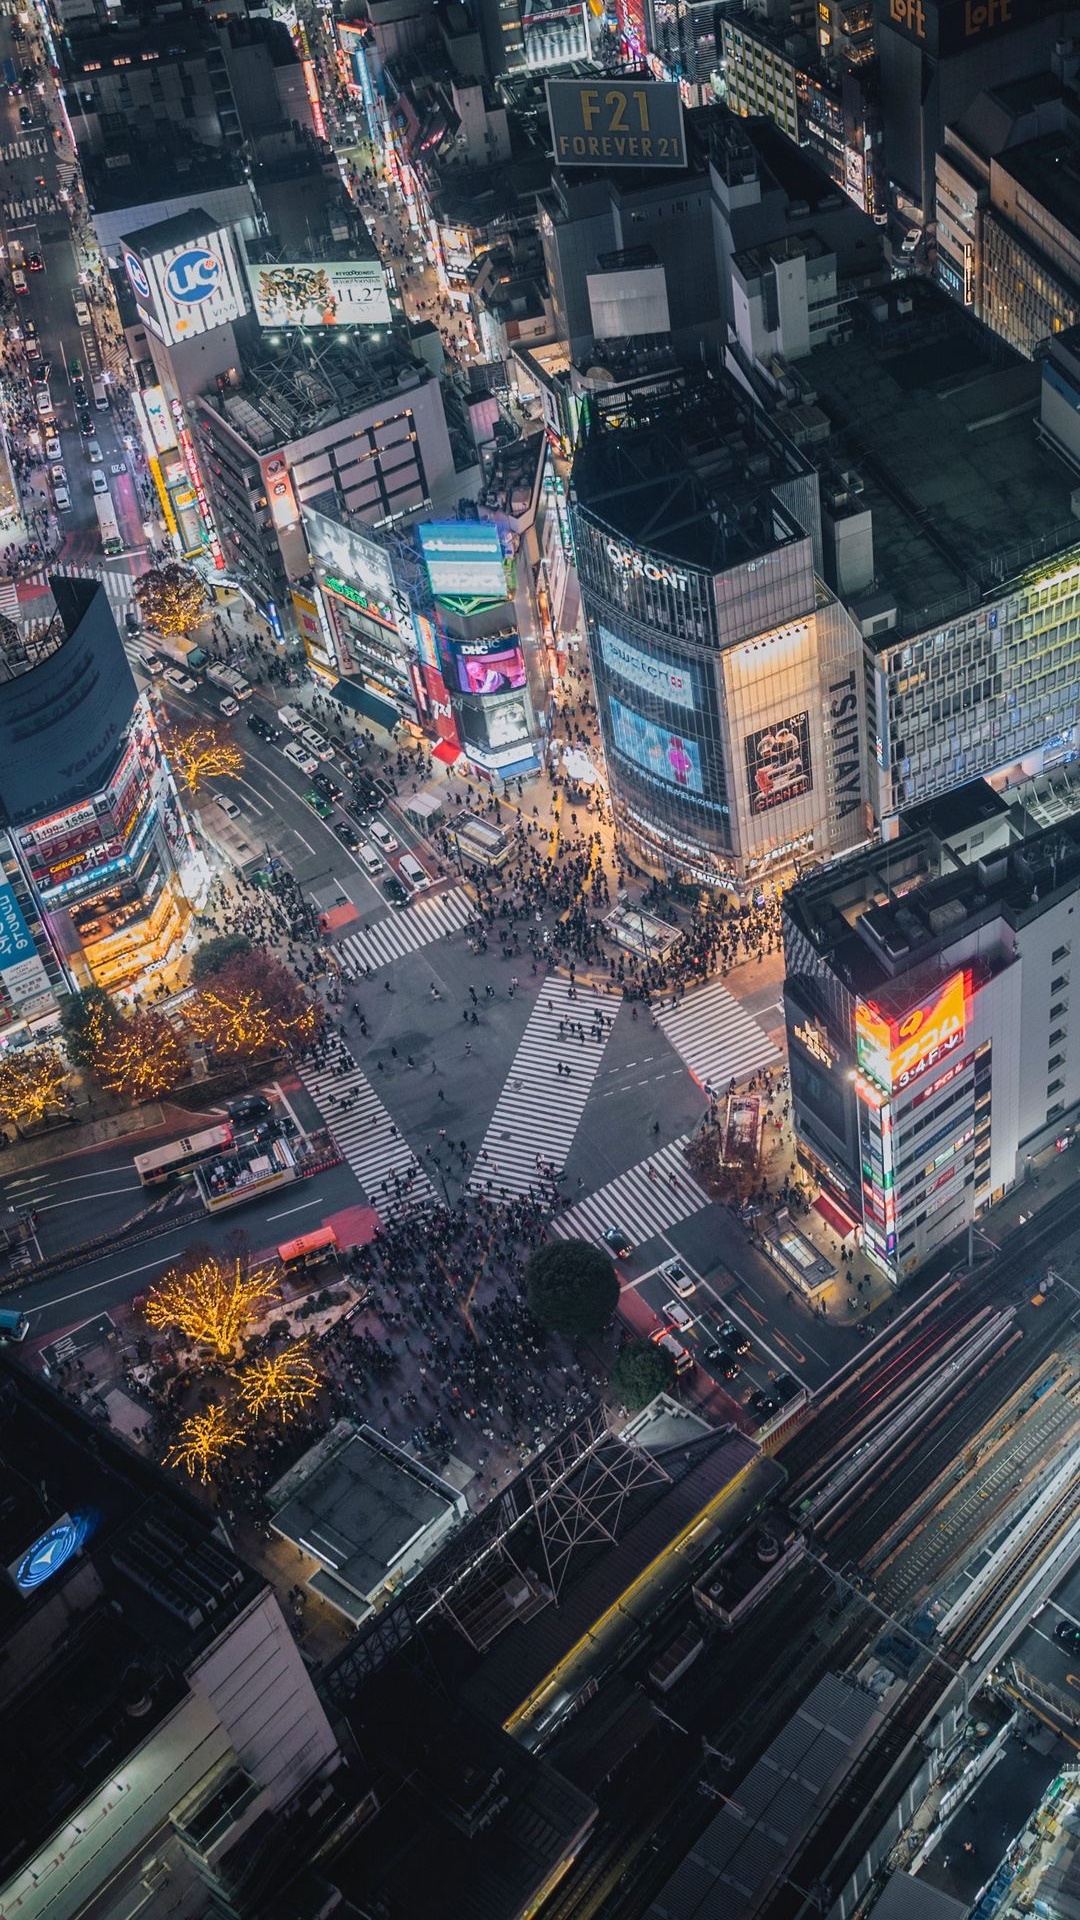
(895, 1052)
(637, 123)
(498, 669)
(553, 33)
(464, 558)
(187, 290)
(356, 568)
(656, 750)
(778, 766)
(670, 680)
(323, 293)
(22, 974)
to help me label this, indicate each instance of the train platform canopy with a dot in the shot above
(365, 1513)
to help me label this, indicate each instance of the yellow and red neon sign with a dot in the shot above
(895, 1052)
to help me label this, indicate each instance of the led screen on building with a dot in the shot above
(356, 568)
(497, 670)
(670, 679)
(664, 755)
(325, 293)
(895, 1052)
(186, 290)
(778, 766)
(464, 558)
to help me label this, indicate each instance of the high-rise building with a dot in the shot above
(162, 1726)
(927, 996)
(728, 680)
(93, 819)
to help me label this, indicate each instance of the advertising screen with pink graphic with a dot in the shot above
(666, 755)
(495, 672)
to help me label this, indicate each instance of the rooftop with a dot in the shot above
(1048, 169)
(133, 1584)
(687, 467)
(294, 384)
(939, 419)
(359, 1504)
(142, 171)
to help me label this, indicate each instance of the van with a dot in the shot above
(668, 1344)
(292, 718)
(19, 280)
(13, 1324)
(101, 398)
(368, 857)
(413, 871)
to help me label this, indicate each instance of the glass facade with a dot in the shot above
(977, 695)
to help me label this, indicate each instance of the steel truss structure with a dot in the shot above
(570, 1497)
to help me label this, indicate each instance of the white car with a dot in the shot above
(411, 870)
(678, 1279)
(44, 401)
(677, 1315)
(369, 858)
(317, 743)
(228, 706)
(300, 757)
(53, 449)
(93, 452)
(99, 483)
(228, 807)
(82, 314)
(59, 473)
(382, 835)
(63, 499)
(292, 718)
(182, 680)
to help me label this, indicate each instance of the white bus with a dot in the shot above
(110, 532)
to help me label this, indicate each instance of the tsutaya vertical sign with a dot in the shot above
(842, 733)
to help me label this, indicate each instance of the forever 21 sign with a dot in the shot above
(635, 123)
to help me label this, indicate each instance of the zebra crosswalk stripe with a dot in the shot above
(416, 926)
(537, 1113)
(642, 1201)
(716, 1037)
(9, 599)
(377, 1155)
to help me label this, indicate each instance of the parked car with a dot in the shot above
(82, 314)
(228, 807)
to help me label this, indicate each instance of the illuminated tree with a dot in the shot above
(142, 1057)
(171, 600)
(204, 1440)
(280, 1384)
(88, 1019)
(202, 751)
(252, 1007)
(211, 1298)
(31, 1085)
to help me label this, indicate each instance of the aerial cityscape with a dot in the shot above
(539, 846)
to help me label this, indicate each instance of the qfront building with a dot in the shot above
(728, 680)
(932, 1013)
(94, 823)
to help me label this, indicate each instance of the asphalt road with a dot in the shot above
(50, 304)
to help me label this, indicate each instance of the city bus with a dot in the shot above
(310, 1250)
(162, 1164)
(110, 532)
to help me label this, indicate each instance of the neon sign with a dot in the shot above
(895, 1052)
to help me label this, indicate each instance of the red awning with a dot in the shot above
(446, 752)
(840, 1222)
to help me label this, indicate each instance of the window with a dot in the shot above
(1058, 1060)
(1057, 1036)
(1060, 953)
(1062, 1006)
(1061, 981)
(1054, 1087)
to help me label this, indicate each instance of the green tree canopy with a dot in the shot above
(216, 953)
(641, 1371)
(572, 1287)
(87, 1021)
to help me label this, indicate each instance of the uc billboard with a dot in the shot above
(188, 289)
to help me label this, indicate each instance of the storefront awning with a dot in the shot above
(833, 1216)
(446, 752)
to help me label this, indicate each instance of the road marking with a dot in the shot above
(288, 1210)
(50, 1206)
(96, 1285)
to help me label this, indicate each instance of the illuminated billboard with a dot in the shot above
(554, 33)
(485, 671)
(895, 1052)
(319, 293)
(186, 290)
(464, 558)
(355, 568)
(597, 124)
(778, 763)
(664, 755)
(671, 680)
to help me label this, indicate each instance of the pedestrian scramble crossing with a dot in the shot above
(384, 1164)
(38, 203)
(24, 149)
(643, 1201)
(716, 1037)
(537, 1113)
(432, 917)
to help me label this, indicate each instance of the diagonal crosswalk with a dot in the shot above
(384, 1164)
(538, 1110)
(643, 1201)
(716, 1037)
(433, 917)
